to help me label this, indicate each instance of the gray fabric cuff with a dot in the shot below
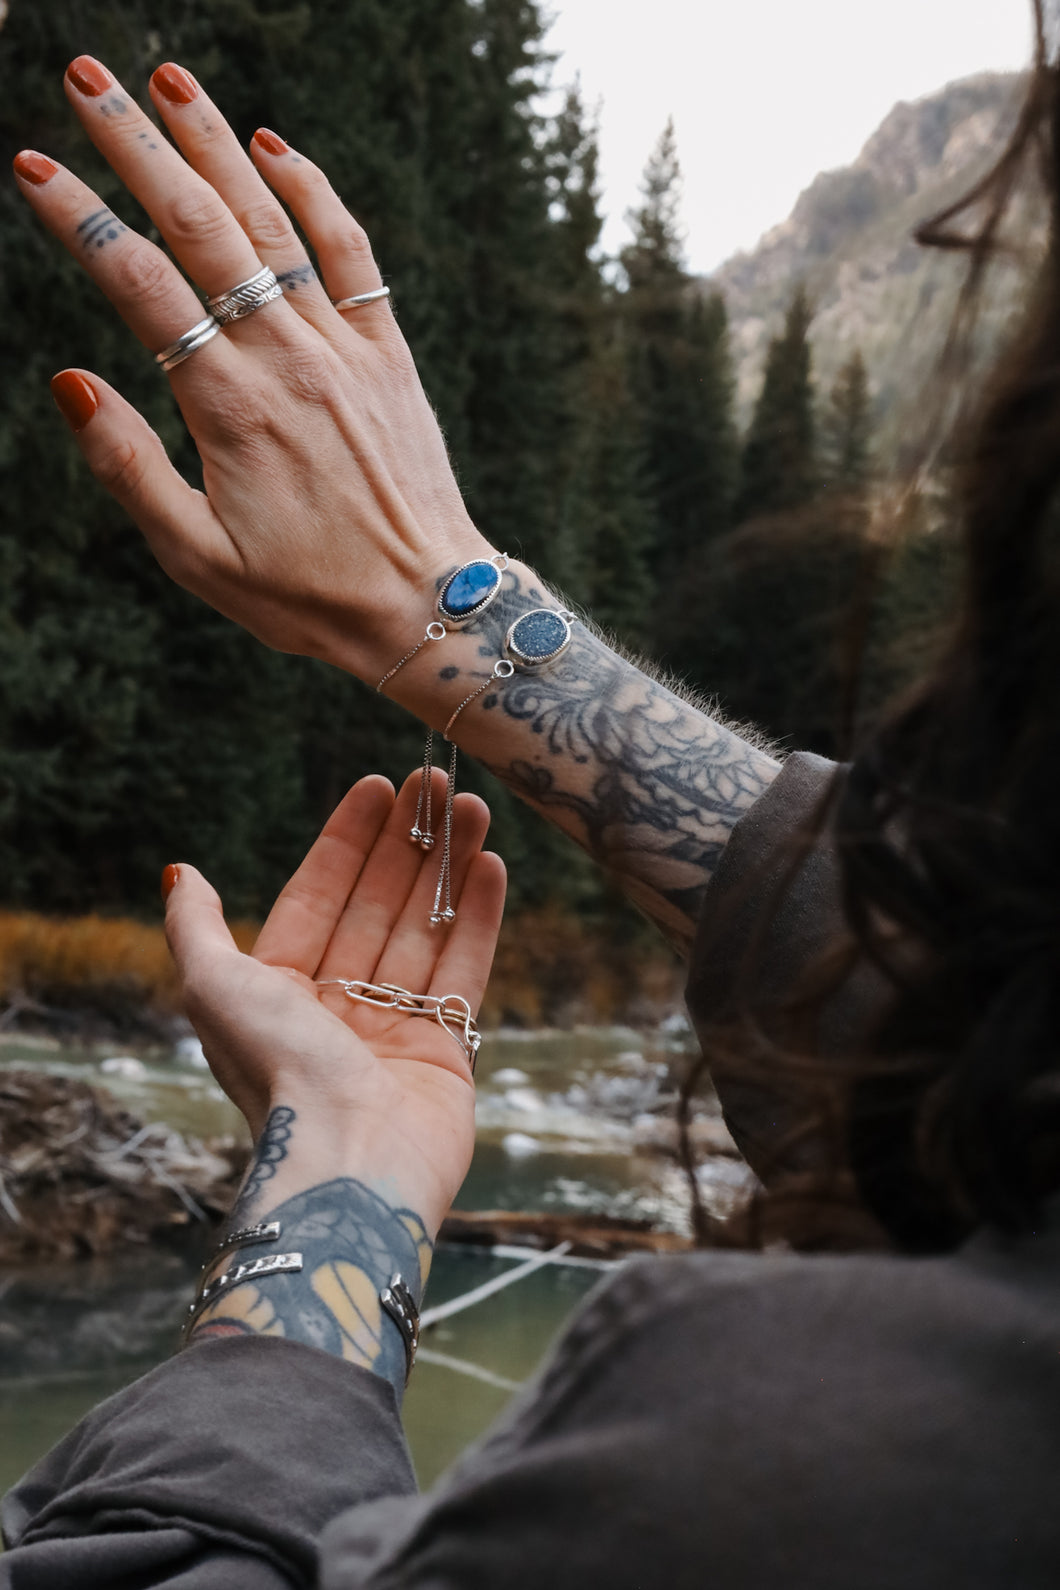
(755, 937)
(251, 1442)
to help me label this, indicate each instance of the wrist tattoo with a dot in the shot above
(269, 1151)
(352, 1243)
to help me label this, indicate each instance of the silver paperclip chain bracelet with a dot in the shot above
(450, 1011)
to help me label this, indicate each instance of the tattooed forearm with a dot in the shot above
(650, 786)
(352, 1243)
(646, 781)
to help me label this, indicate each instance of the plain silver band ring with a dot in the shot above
(362, 298)
(188, 344)
(245, 297)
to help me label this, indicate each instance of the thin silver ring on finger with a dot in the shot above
(359, 299)
(242, 300)
(188, 344)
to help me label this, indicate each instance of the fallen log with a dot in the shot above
(590, 1236)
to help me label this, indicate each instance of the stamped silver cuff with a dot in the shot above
(248, 1270)
(400, 1304)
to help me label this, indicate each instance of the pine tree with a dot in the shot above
(606, 504)
(779, 458)
(654, 260)
(682, 385)
(602, 517)
(697, 429)
(846, 430)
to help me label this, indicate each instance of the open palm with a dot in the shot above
(384, 1095)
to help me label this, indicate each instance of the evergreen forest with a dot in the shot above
(588, 404)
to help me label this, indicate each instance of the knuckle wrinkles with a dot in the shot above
(267, 226)
(394, 352)
(198, 216)
(352, 239)
(142, 273)
(243, 421)
(248, 419)
(233, 420)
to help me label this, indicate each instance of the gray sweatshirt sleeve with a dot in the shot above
(219, 1468)
(772, 907)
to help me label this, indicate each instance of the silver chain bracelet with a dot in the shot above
(450, 1011)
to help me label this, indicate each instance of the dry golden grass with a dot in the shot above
(550, 969)
(61, 960)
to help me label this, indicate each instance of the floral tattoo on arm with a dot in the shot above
(648, 781)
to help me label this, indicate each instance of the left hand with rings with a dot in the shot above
(363, 1118)
(325, 517)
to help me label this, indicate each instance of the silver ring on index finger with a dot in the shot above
(198, 336)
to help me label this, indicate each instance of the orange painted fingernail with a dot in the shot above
(89, 76)
(170, 875)
(271, 142)
(35, 168)
(175, 84)
(77, 401)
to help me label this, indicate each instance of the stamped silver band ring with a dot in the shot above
(189, 343)
(359, 299)
(245, 297)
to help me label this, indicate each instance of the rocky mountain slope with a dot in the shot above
(850, 239)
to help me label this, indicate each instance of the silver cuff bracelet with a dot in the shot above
(249, 1270)
(400, 1304)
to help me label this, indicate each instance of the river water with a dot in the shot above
(565, 1121)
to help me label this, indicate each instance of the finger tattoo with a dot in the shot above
(99, 229)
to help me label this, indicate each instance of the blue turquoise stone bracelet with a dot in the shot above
(469, 590)
(465, 594)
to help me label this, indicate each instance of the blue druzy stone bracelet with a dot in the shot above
(538, 637)
(469, 590)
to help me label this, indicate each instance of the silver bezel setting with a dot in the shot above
(522, 660)
(458, 620)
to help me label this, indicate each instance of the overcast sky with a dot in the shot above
(764, 93)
